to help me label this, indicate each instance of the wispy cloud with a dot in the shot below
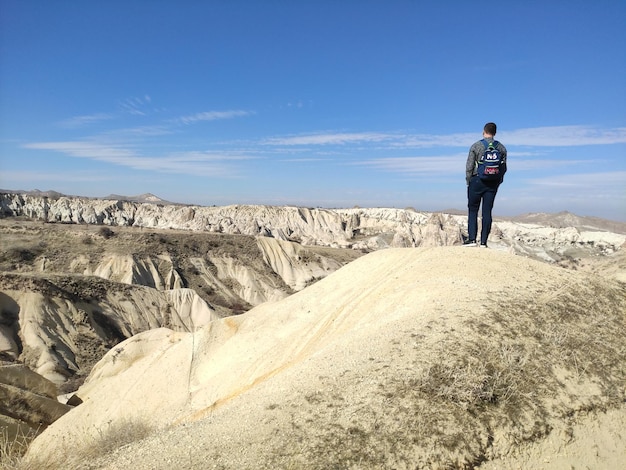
(338, 138)
(440, 165)
(191, 163)
(141, 131)
(212, 116)
(94, 151)
(564, 136)
(30, 177)
(554, 136)
(305, 160)
(81, 121)
(137, 106)
(583, 181)
(543, 164)
(198, 156)
(434, 140)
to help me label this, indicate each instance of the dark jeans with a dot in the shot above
(478, 191)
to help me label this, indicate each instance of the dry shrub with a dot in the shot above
(107, 439)
(13, 445)
(106, 232)
(118, 434)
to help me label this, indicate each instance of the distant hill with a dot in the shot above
(567, 219)
(34, 192)
(141, 198)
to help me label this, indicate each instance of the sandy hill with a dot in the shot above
(442, 357)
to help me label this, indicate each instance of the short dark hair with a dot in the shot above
(490, 128)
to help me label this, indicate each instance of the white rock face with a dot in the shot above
(293, 264)
(62, 334)
(159, 272)
(28, 402)
(249, 285)
(363, 229)
(129, 270)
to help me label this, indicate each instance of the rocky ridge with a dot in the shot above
(358, 228)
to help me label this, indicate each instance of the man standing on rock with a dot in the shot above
(484, 172)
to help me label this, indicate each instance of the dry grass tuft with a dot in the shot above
(507, 376)
(109, 438)
(14, 443)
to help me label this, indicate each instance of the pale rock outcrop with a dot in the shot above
(128, 270)
(227, 274)
(61, 330)
(400, 356)
(28, 402)
(151, 271)
(188, 311)
(248, 285)
(407, 229)
(236, 282)
(359, 228)
(294, 264)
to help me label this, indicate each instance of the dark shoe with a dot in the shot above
(469, 243)
(484, 246)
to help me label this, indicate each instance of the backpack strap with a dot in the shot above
(479, 160)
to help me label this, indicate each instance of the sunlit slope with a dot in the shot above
(404, 358)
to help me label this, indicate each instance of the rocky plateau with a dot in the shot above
(79, 276)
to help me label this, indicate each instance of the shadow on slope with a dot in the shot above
(405, 358)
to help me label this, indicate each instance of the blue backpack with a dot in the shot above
(491, 164)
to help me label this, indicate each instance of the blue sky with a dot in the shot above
(315, 103)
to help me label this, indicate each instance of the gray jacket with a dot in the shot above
(475, 152)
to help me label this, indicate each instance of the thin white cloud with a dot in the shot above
(209, 156)
(192, 163)
(554, 136)
(140, 131)
(563, 136)
(304, 160)
(444, 164)
(212, 116)
(435, 140)
(533, 164)
(516, 154)
(81, 121)
(136, 106)
(583, 181)
(94, 151)
(418, 165)
(339, 138)
(29, 177)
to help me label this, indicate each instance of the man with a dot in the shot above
(482, 187)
